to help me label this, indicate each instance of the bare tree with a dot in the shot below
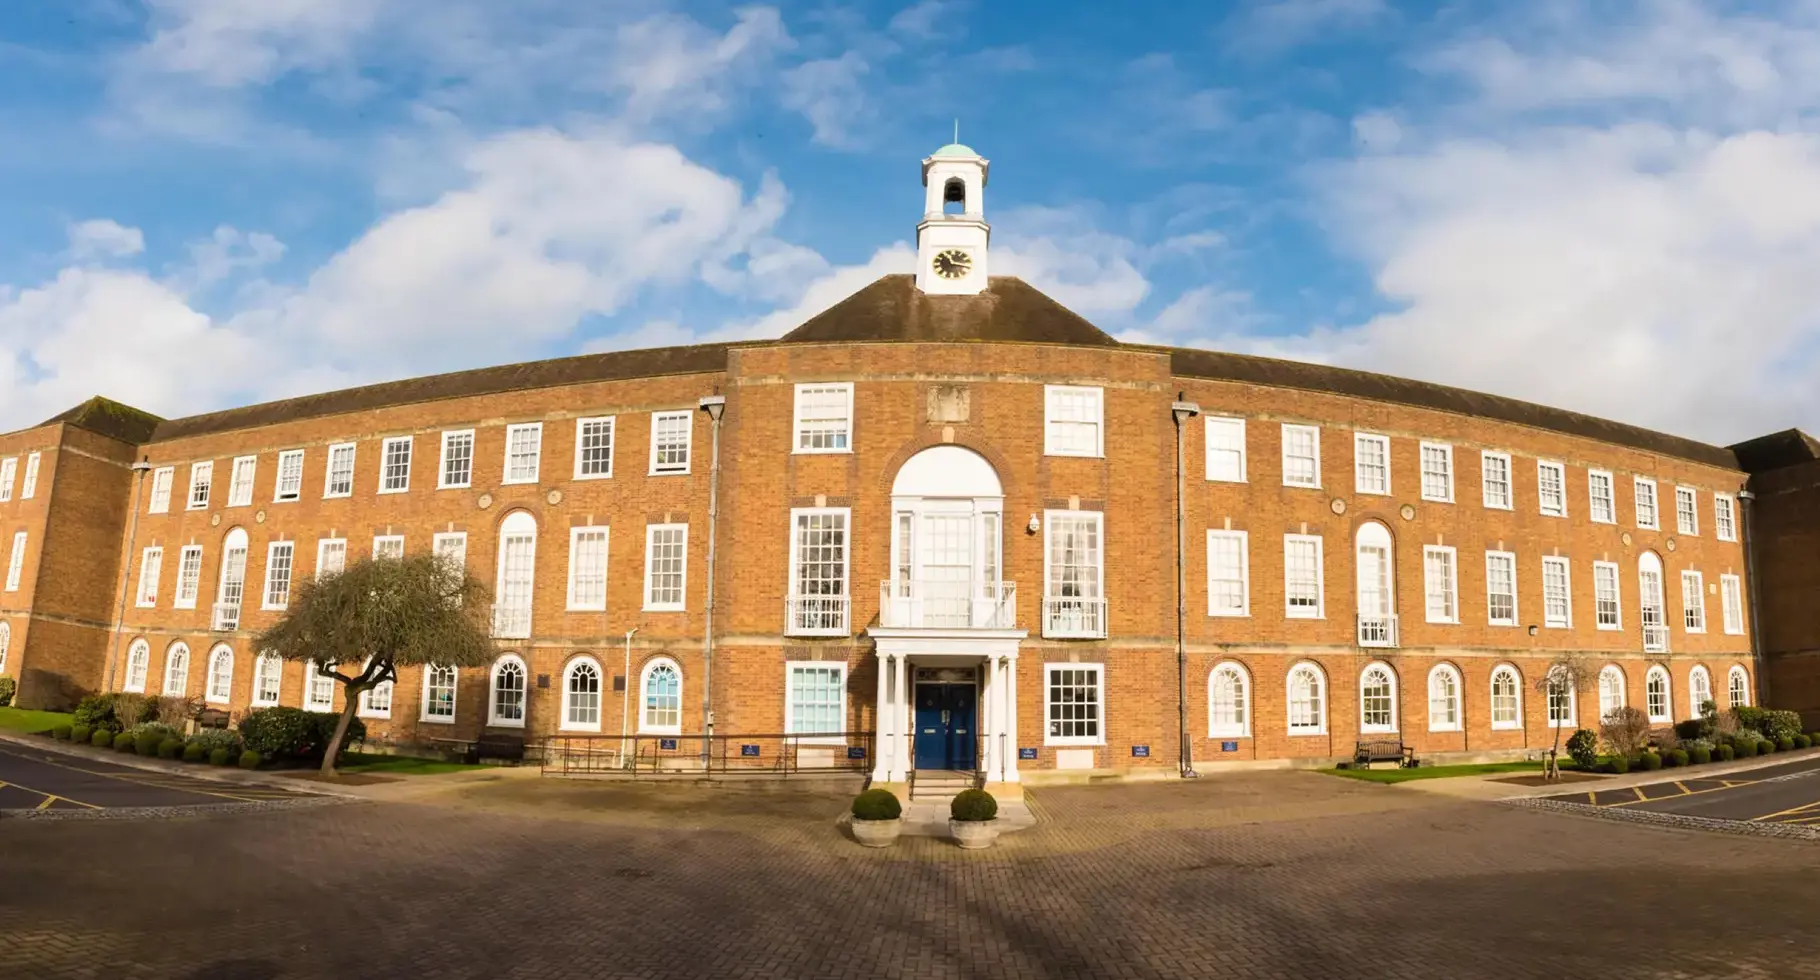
(1626, 730)
(1570, 671)
(381, 614)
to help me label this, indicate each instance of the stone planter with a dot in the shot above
(877, 833)
(973, 835)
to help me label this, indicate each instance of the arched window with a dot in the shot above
(517, 575)
(268, 674)
(506, 699)
(6, 642)
(1444, 699)
(1655, 623)
(1377, 594)
(1562, 706)
(221, 675)
(177, 670)
(581, 695)
(1737, 687)
(439, 693)
(138, 661)
(1506, 698)
(954, 196)
(1228, 702)
(1699, 691)
(232, 586)
(318, 691)
(1307, 700)
(1655, 694)
(660, 705)
(1377, 699)
(1611, 690)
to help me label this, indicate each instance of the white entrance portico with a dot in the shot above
(947, 623)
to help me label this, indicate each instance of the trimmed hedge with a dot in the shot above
(1765, 747)
(61, 732)
(219, 757)
(1700, 755)
(170, 748)
(80, 732)
(1618, 764)
(1677, 757)
(296, 735)
(1744, 748)
(1803, 742)
(1726, 754)
(877, 804)
(101, 739)
(973, 805)
(250, 759)
(8, 687)
(1785, 744)
(1583, 748)
(146, 743)
(1650, 762)
(194, 751)
(125, 743)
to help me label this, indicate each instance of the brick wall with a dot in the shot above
(1786, 536)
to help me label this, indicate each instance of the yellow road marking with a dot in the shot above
(1812, 819)
(149, 779)
(49, 798)
(1681, 786)
(1640, 797)
(1791, 810)
(1644, 799)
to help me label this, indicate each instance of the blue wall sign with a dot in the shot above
(1229, 746)
(1140, 751)
(856, 752)
(748, 750)
(666, 744)
(1026, 753)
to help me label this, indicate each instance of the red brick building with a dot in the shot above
(944, 511)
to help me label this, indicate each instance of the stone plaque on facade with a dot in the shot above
(949, 403)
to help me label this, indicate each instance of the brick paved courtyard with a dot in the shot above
(1263, 875)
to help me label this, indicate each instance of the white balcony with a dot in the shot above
(1074, 617)
(1377, 631)
(511, 622)
(1655, 639)
(816, 615)
(226, 618)
(907, 604)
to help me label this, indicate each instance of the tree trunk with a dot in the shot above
(1554, 757)
(341, 728)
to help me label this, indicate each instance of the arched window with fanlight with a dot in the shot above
(1699, 691)
(1611, 690)
(6, 642)
(138, 662)
(1737, 687)
(1307, 700)
(506, 693)
(1228, 702)
(1506, 698)
(221, 675)
(439, 693)
(268, 674)
(660, 698)
(1655, 696)
(1377, 590)
(1444, 713)
(177, 670)
(1377, 699)
(581, 695)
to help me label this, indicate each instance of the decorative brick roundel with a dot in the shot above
(1339, 506)
(554, 496)
(1669, 544)
(485, 501)
(1408, 512)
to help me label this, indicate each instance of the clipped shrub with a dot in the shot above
(1784, 743)
(293, 734)
(1803, 742)
(1765, 747)
(1749, 718)
(170, 748)
(1744, 747)
(194, 751)
(1583, 748)
(1725, 752)
(145, 743)
(1699, 755)
(1651, 762)
(8, 687)
(1693, 728)
(1676, 757)
(80, 732)
(1814, 737)
(101, 739)
(1779, 725)
(972, 805)
(876, 804)
(219, 757)
(94, 711)
(217, 738)
(125, 743)
(250, 759)
(1618, 764)
(61, 732)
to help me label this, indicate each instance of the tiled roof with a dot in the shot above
(893, 309)
(1790, 447)
(109, 418)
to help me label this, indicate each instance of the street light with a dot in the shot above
(1182, 410)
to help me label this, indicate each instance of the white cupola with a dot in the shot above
(952, 237)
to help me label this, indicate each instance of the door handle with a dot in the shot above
(944, 716)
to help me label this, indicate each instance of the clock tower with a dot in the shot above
(951, 239)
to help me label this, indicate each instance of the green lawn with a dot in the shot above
(31, 722)
(398, 765)
(1434, 772)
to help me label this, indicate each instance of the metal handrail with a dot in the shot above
(1074, 616)
(1378, 631)
(226, 617)
(919, 604)
(816, 615)
(511, 622)
(682, 754)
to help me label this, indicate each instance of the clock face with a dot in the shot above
(953, 263)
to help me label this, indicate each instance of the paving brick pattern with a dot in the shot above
(1267, 875)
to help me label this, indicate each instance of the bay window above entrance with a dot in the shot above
(947, 546)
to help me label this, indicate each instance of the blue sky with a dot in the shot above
(1612, 207)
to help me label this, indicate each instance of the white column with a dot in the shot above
(883, 717)
(991, 698)
(1011, 720)
(900, 706)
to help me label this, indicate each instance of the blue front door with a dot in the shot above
(945, 734)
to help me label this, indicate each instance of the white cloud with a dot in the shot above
(104, 238)
(1063, 253)
(671, 63)
(1270, 25)
(923, 19)
(227, 43)
(829, 93)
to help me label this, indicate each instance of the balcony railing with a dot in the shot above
(511, 622)
(1655, 639)
(910, 604)
(815, 615)
(1073, 617)
(226, 618)
(1377, 631)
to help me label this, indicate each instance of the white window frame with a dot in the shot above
(202, 480)
(138, 667)
(827, 428)
(264, 665)
(151, 568)
(1485, 483)
(650, 541)
(1216, 430)
(177, 653)
(1243, 538)
(1573, 708)
(1693, 690)
(1458, 700)
(1655, 503)
(1609, 498)
(1322, 697)
(1566, 618)
(15, 562)
(1099, 714)
(1094, 397)
(9, 470)
(1359, 483)
(290, 574)
(1731, 604)
(423, 710)
(1621, 685)
(328, 474)
(29, 487)
(1545, 466)
(442, 460)
(241, 476)
(1491, 689)
(791, 707)
(1320, 573)
(1693, 616)
(381, 540)
(1490, 556)
(1667, 716)
(535, 429)
(1731, 689)
(1379, 728)
(385, 453)
(1446, 452)
(160, 498)
(1289, 429)
(794, 586)
(209, 691)
(603, 686)
(612, 428)
(1725, 528)
(189, 577)
(1687, 522)
(322, 548)
(1617, 596)
(451, 542)
(494, 718)
(278, 480)
(311, 675)
(688, 443)
(366, 708)
(1453, 585)
(606, 541)
(645, 727)
(1242, 707)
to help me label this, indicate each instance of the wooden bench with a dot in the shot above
(212, 718)
(506, 748)
(1383, 750)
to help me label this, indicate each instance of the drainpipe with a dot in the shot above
(141, 468)
(1747, 518)
(1182, 410)
(715, 406)
(625, 702)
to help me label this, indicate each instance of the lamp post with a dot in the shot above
(1182, 410)
(715, 405)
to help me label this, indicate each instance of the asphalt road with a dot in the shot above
(37, 780)
(1785, 793)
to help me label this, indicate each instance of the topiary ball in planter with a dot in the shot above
(194, 752)
(1677, 757)
(1803, 742)
(1651, 762)
(250, 759)
(1785, 744)
(1699, 755)
(970, 819)
(1619, 765)
(170, 748)
(146, 743)
(219, 757)
(125, 743)
(61, 732)
(877, 818)
(1726, 753)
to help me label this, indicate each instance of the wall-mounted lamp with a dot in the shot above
(1035, 525)
(1532, 631)
(714, 405)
